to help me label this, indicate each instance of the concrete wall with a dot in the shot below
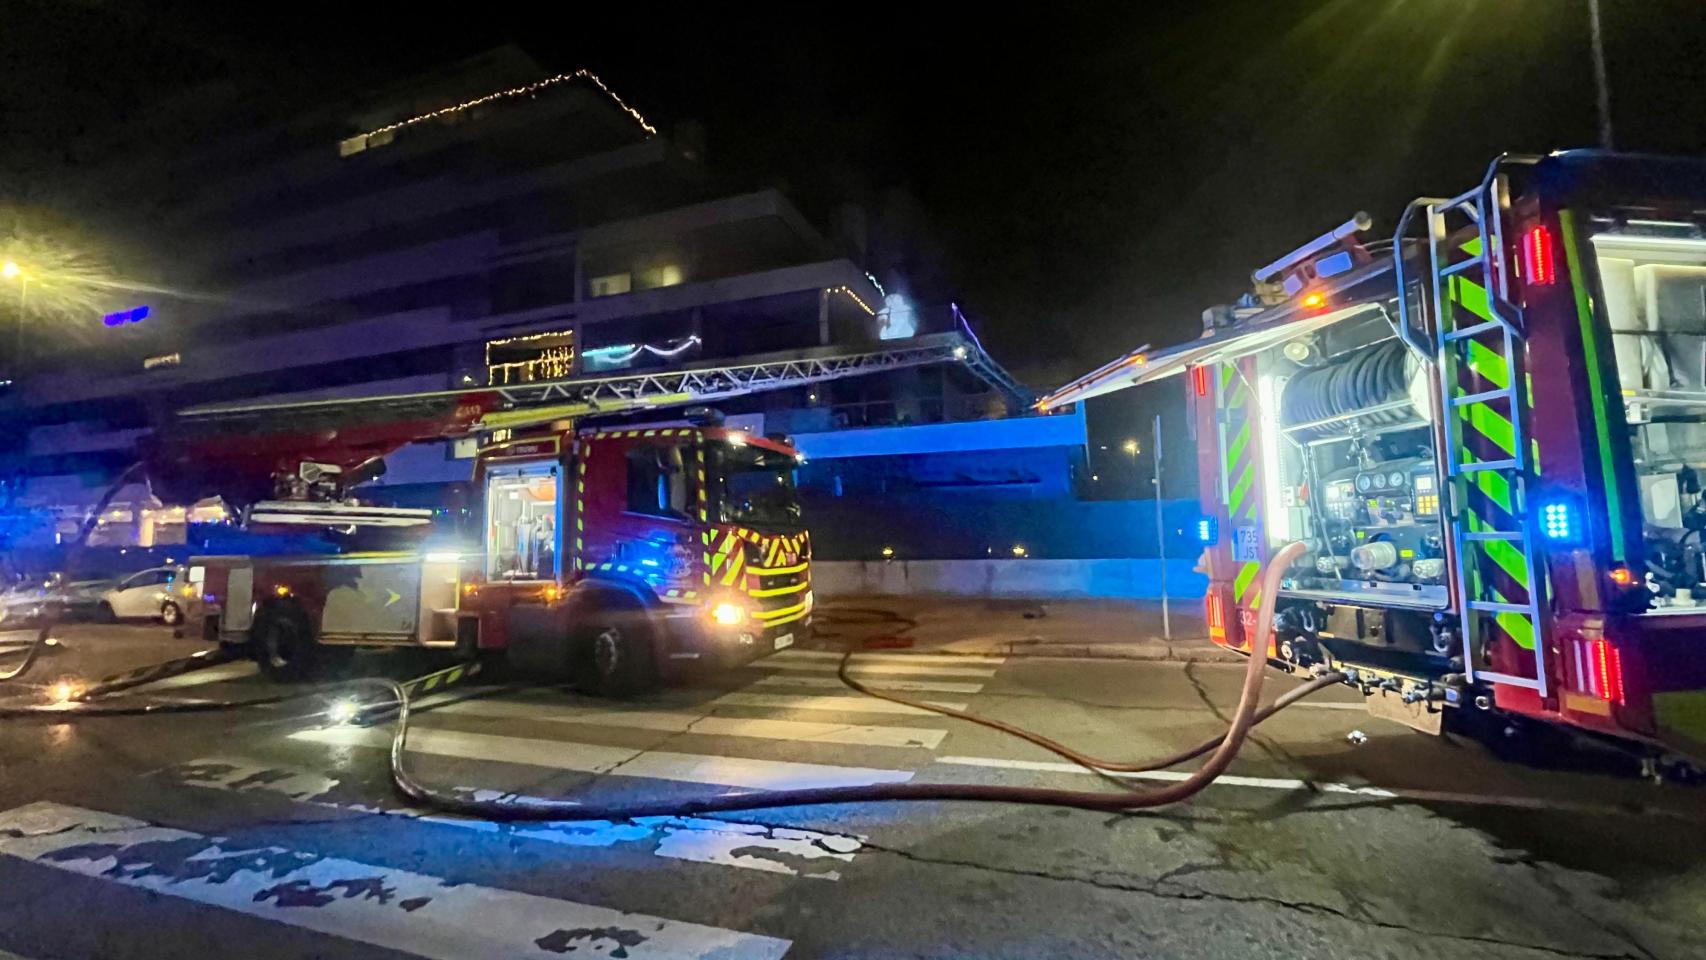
(1122, 578)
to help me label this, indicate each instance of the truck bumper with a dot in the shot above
(694, 642)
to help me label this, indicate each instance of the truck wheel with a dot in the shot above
(171, 614)
(284, 645)
(613, 649)
(104, 613)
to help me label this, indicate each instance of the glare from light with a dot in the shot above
(1273, 479)
(1130, 447)
(888, 552)
(737, 438)
(959, 353)
(64, 692)
(443, 556)
(343, 711)
(728, 614)
(1019, 550)
(10, 270)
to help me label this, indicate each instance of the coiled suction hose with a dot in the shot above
(1222, 750)
(1369, 378)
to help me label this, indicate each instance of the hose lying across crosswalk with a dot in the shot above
(389, 694)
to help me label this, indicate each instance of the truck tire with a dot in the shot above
(612, 649)
(283, 645)
(171, 614)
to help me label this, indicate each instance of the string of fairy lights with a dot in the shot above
(521, 91)
(856, 298)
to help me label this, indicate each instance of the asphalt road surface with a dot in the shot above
(266, 833)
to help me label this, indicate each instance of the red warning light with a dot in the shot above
(1537, 261)
(1199, 379)
(1606, 666)
(1314, 300)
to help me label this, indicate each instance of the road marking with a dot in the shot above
(912, 686)
(863, 656)
(860, 667)
(799, 731)
(749, 846)
(831, 703)
(1343, 789)
(623, 761)
(229, 671)
(397, 909)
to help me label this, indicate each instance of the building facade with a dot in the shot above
(485, 225)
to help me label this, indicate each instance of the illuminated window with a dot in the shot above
(667, 275)
(611, 284)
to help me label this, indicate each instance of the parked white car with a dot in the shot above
(159, 593)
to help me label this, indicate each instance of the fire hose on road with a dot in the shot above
(397, 695)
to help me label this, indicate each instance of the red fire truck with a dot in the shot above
(1491, 432)
(620, 555)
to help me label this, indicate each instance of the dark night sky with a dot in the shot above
(1091, 175)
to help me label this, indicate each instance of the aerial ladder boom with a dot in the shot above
(318, 449)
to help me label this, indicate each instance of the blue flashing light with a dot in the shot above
(1558, 521)
(1208, 531)
(133, 315)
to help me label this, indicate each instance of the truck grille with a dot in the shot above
(775, 592)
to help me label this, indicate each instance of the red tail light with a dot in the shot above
(1214, 615)
(1605, 670)
(1199, 379)
(1538, 264)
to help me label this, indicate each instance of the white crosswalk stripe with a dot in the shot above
(400, 910)
(866, 656)
(229, 671)
(750, 846)
(796, 731)
(860, 668)
(623, 761)
(833, 704)
(909, 686)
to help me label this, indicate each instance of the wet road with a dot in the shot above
(278, 835)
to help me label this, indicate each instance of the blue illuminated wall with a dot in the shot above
(973, 490)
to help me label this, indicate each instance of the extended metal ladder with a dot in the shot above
(1487, 459)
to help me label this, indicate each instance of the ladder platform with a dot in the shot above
(1482, 397)
(1481, 466)
(1494, 606)
(1510, 679)
(1459, 267)
(1473, 330)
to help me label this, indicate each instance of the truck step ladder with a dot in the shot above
(1487, 460)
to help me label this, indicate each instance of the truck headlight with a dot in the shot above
(728, 613)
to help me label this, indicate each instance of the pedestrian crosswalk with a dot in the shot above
(389, 907)
(782, 723)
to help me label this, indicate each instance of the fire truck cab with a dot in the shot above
(619, 557)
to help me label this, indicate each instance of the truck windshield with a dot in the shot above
(756, 487)
(1653, 281)
(521, 522)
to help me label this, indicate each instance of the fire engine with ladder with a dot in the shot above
(620, 554)
(1490, 430)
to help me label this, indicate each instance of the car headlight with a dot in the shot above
(728, 613)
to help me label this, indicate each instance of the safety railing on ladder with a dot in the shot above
(1477, 349)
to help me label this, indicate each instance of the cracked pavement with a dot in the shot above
(1577, 860)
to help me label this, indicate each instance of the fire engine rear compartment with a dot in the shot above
(1347, 461)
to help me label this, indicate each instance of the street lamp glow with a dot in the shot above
(10, 270)
(1130, 448)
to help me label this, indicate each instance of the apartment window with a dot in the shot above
(667, 275)
(612, 284)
